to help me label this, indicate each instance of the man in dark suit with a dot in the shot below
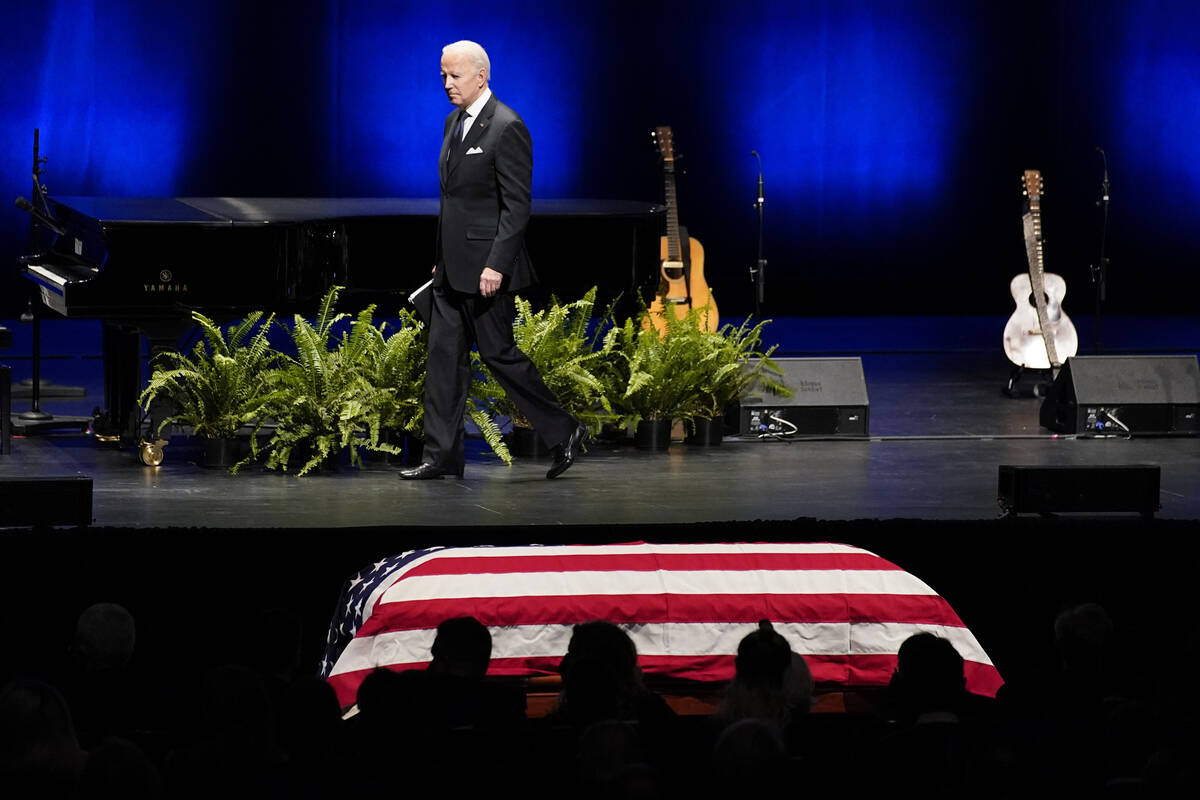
(486, 170)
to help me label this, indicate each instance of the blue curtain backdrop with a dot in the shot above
(892, 132)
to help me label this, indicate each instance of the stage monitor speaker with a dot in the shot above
(829, 397)
(1101, 395)
(45, 501)
(1044, 490)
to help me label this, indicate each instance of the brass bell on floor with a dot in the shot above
(151, 453)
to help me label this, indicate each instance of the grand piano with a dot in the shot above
(142, 265)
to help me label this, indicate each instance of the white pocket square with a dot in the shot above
(474, 151)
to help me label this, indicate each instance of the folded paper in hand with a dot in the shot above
(421, 299)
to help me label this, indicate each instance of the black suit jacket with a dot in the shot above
(486, 181)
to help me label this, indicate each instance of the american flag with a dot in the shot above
(686, 606)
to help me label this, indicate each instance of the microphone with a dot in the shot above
(761, 199)
(1105, 183)
(46, 221)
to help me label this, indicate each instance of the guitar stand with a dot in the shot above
(1014, 389)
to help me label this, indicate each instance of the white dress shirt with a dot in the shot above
(474, 109)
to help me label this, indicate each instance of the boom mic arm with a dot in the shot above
(43, 219)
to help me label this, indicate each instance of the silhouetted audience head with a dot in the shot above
(601, 677)
(612, 763)
(1084, 636)
(104, 638)
(389, 700)
(380, 700)
(763, 657)
(235, 703)
(311, 719)
(604, 644)
(750, 759)
(770, 681)
(273, 642)
(119, 768)
(462, 652)
(231, 748)
(929, 674)
(105, 697)
(39, 754)
(462, 647)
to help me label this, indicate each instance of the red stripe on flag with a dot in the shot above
(657, 608)
(982, 679)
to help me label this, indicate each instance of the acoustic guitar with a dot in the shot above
(682, 286)
(1039, 335)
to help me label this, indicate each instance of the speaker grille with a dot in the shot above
(1102, 395)
(829, 397)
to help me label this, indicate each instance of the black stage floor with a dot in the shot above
(940, 430)
(940, 427)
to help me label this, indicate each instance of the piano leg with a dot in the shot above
(122, 349)
(5, 410)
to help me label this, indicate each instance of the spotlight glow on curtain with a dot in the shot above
(1159, 91)
(391, 104)
(115, 94)
(852, 104)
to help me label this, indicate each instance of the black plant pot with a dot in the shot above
(653, 434)
(386, 436)
(613, 433)
(526, 443)
(376, 456)
(221, 453)
(707, 433)
(335, 461)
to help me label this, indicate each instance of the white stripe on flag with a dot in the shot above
(639, 582)
(635, 548)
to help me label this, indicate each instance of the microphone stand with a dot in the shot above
(758, 272)
(35, 420)
(1100, 269)
(40, 211)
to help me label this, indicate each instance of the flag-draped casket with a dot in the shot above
(686, 606)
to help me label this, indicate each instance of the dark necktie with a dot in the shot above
(458, 129)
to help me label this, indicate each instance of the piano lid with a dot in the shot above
(287, 210)
(135, 209)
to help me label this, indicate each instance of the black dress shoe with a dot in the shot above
(564, 454)
(425, 472)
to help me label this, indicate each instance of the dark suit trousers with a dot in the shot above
(458, 321)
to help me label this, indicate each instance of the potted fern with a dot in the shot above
(656, 379)
(395, 364)
(569, 351)
(217, 390)
(395, 367)
(731, 361)
(322, 400)
(333, 397)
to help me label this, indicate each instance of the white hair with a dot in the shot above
(474, 53)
